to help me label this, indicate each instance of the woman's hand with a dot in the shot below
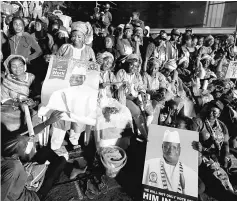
(30, 103)
(54, 117)
(197, 146)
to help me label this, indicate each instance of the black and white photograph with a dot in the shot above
(174, 165)
(118, 100)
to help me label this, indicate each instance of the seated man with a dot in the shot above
(19, 149)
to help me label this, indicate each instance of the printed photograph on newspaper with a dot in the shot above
(171, 165)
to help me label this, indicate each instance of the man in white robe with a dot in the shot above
(168, 172)
(79, 102)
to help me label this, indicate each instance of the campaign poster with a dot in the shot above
(232, 70)
(65, 89)
(171, 165)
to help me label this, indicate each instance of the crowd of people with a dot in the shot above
(171, 79)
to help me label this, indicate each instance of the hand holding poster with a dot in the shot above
(232, 70)
(171, 166)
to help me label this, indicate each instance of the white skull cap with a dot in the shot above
(79, 71)
(171, 136)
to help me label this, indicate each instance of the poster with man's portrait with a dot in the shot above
(71, 86)
(171, 165)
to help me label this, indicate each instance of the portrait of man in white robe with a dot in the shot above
(169, 172)
(79, 104)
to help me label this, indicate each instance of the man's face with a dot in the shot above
(171, 152)
(76, 80)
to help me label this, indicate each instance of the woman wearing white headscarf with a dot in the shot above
(81, 37)
(107, 77)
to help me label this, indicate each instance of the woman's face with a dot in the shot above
(167, 72)
(18, 26)
(194, 42)
(200, 41)
(128, 33)
(133, 67)
(206, 63)
(77, 38)
(17, 67)
(154, 68)
(107, 63)
(175, 38)
(108, 43)
(76, 80)
(188, 42)
(214, 113)
(38, 26)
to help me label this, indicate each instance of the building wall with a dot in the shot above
(230, 14)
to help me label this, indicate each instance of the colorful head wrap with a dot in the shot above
(85, 28)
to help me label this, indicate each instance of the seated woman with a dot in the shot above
(17, 150)
(107, 77)
(153, 80)
(17, 83)
(177, 88)
(130, 87)
(214, 146)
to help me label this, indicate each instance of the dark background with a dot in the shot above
(156, 14)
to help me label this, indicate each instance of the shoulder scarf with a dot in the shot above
(216, 133)
(164, 177)
(17, 86)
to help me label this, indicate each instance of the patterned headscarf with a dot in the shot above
(85, 28)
